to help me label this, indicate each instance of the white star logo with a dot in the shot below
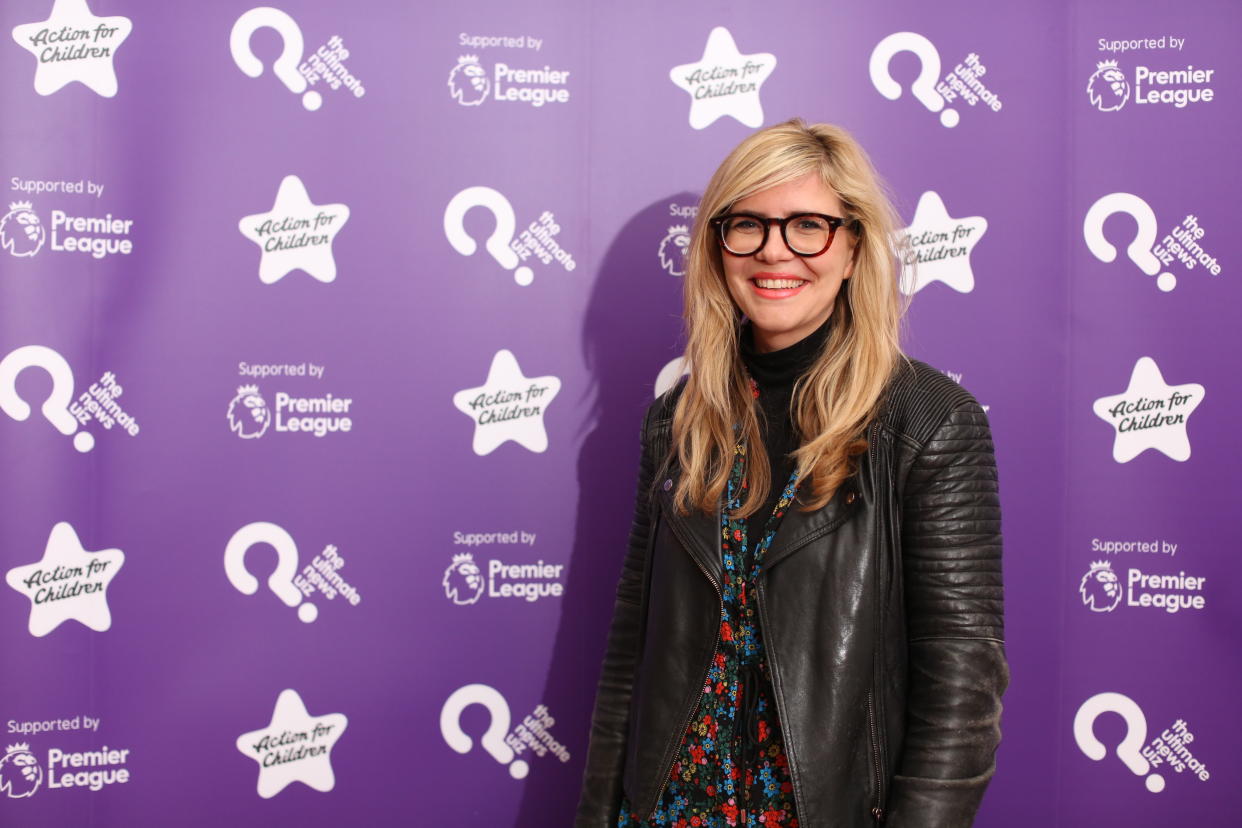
(508, 406)
(74, 45)
(724, 82)
(1150, 414)
(939, 247)
(295, 747)
(69, 583)
(295, 234)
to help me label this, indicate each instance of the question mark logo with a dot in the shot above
(498, 241)
(56, 406)
(286, 66)
(924, 86)
(281, 580)
(1139, 250)
(493, 740)
(1136, 734)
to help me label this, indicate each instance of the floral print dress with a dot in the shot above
(731, 768)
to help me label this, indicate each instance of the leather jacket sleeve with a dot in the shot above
(600, 799)
(951, 560)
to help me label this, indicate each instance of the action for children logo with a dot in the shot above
(300, 74)
(1109, 88)
(98, 403)
(508, 406)
(322, 576)
(296, 234)
(23, 232)
(1169, 750)
(1182, 244)
(937, 248)
(472, 81)
(74, 45)
(1102, 591)
(533, 733)
(464, 581)
(294, 747)
(1150, 414)
(724, 82)
(507, 247)
(21, 775)
(68, 584)
(964, 82)
(251, 417)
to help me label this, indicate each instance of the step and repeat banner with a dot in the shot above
(326, 331)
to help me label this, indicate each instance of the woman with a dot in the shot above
(808, 628)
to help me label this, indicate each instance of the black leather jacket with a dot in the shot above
(881, 615)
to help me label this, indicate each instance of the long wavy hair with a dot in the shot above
(840, 394)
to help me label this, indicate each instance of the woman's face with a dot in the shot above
(787, 296)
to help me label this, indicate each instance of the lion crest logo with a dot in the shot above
(1100, 589)
(1108, 88)
(249, 415)
(674, 248)
(20, 774)
(463, 580)
(468, 82)
(21, 232)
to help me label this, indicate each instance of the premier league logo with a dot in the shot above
(20, 774)
(463, 580)
(673, 250)
(21, 232)
(468, 82)
(249, 415)
(1108, 87)
(1100, 589)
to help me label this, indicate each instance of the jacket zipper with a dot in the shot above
(699, 687)
(878, 810)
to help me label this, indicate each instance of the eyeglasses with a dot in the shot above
(806, 234)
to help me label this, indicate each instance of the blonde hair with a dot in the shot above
(840, 394)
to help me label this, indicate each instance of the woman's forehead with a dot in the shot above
(807, 193)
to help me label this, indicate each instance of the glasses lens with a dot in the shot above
(742, 235)
(808, 234)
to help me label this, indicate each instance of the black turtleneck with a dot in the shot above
(775, 372)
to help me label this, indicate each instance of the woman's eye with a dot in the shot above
(746, 225)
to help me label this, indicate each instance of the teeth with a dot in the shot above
(778, 284)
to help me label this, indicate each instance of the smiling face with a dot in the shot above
(787, 296)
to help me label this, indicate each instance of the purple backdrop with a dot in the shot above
(387, 316)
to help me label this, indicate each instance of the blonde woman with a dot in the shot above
(808, 627)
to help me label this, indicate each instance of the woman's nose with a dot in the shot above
(774, 249)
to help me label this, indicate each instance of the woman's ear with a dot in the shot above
(849, 266)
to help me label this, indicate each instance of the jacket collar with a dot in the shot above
(699, 532)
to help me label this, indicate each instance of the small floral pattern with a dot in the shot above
(721, 777)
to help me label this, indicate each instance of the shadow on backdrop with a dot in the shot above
(632, 329)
